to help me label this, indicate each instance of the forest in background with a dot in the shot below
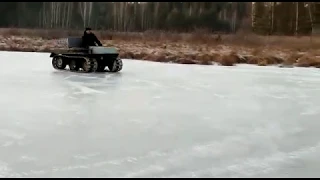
(280, 18)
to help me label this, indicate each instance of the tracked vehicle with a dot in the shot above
(92, 59)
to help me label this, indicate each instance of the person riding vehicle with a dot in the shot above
(90, 39)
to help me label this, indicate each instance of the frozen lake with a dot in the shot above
(157, 120)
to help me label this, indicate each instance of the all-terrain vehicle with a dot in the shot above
(92, 59)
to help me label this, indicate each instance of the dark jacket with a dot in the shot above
(90, 40)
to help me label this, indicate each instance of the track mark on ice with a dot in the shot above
(27, 159)
(7, 143)
(84, 90)
(11, 134)
(6, 172)
(219, 95)
(254, 166)
(68, 77)
(149, 82)
(83, 157)
(311, 111)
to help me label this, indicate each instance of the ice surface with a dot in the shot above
(157, 120)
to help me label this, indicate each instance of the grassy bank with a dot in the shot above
(193, 48)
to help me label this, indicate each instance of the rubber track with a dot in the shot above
(92, 63)
(55, 65)
(117, 65)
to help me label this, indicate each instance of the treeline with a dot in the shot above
(286, 18)
(282, 18)
(125, 16)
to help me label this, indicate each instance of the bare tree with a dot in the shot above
(85, 9)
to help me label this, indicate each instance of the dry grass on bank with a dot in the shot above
(193, 48)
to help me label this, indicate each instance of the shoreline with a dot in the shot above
(178, 52)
